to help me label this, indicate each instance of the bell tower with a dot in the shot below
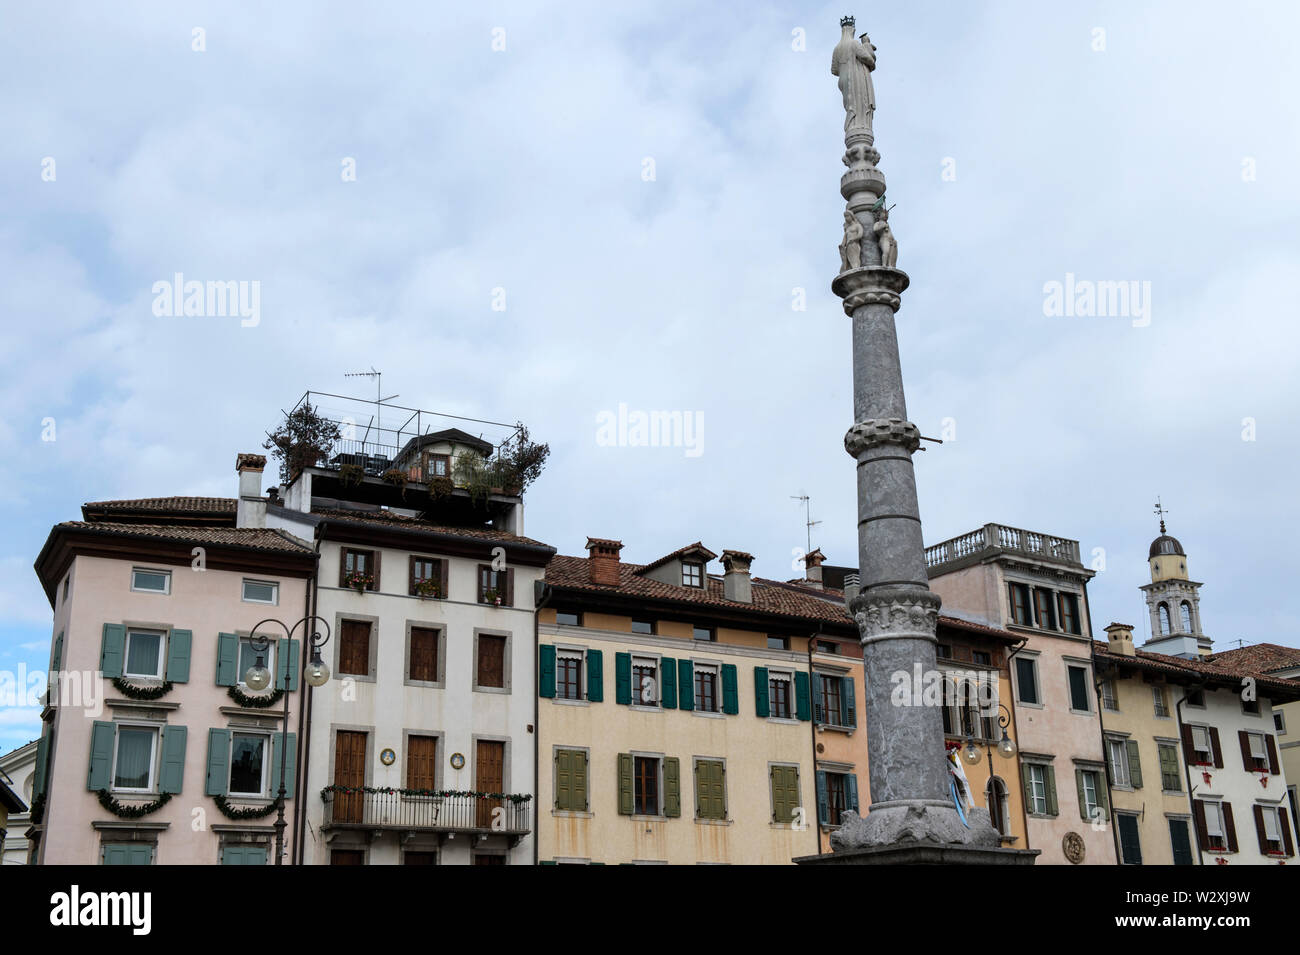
(1173, 599)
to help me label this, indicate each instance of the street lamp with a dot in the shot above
(258, 677)
(1006, 748)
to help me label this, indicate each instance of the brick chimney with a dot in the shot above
(735, 580)
(1120, 636)
(602, 561)
(812, 568)
(251, 509)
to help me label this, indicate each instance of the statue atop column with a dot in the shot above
(852, 61)
(885, 239)
(851, 247)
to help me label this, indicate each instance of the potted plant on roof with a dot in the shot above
(397, 478)
(359, 580)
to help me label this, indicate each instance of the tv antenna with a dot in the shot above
(379, 384)
(809, 523)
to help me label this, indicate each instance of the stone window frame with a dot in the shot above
(571, 650)
(1176, 746)
(136, 831)
(1123, 739)
(507, 658)
(236, 835)
(800, 815)
(1045, 763)
(507, 754)
(1086, 667)
(660, 792)
(1032, 658)
(658, 705)
(373, 666)
(439, 770)
(716, 668)
(441, 682)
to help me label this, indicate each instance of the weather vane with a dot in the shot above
(1161, 512)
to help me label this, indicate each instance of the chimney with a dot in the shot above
(602, 561)
(812, 567)
(852, 585)
(1120, 636)
(735, 580)
(251, 509)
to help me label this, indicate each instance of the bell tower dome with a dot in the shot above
(1173, 600)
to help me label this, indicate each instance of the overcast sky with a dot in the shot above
(1015, 149)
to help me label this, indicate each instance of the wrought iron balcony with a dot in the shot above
(368, 807)
(993, 539)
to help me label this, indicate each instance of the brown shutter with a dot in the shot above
(1189, 748)
(343, 565)
(510, 587)
(1214, 746)
(1259, 830)
(1286, 831)
(1246, 761)
(1198, 816)
(375, 572)
(1227, 824)
(1272, 754)
(442, 575)
(478, 580)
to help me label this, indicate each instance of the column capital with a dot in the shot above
(873, 432)
(893, 613)
(871, 285)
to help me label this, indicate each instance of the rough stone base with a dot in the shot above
(923, 853)
(922, 823)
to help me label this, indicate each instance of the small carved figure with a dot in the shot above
(885, 240)
(851, 247)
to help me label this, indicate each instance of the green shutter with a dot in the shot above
(1134, 764)
(668, 682)
(672, 787)
(112, 650)
(785, 793)
(546, 671)
(851, 780)
(580, 781)
(218, 762)
(127, 854)
(801, 706)
(102, 736)
(686, 680)
(56, 661)
(290, 747)
(1103, 797)
(42, 762)
(623, 678)
(730, 693)
(818, 715)
(114, 855)
(243, 855)
(178, 656)
(710, 789)
(287, 665)
(1083, 801)
(172, 771)
(1049, 777)
(595, 676)
(848, 703)
(1026, 782)
(823, 801)
(227, 659)
(563, 778)
(625, 804)
(762, 703)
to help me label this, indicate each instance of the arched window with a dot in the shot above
(995, 797)
(1187, 617)
(1164, 618)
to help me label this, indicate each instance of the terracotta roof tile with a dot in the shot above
(1226, 672)
(697, 546)
(1261, 657)
(248, 537)
(400, 521)
(167, 505)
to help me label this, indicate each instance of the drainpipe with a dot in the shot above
(541, 597)
(1019, 781)
(1187, 768)
(812, 723)
(1105, 760)
(304, 723)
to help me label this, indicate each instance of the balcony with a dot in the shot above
(993, 540)
(502, 814)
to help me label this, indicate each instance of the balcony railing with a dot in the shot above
(373, 808)
(1000, 538)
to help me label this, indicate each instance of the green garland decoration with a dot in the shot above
(242, 812)
(133, 692)
(257, 702)
(515, 798)
(134, 811)
(37, 810)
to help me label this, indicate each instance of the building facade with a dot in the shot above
(18, 771)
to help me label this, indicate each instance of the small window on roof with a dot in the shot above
(261, 592)
(151, 581)
(692, 574)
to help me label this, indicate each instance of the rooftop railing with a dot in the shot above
(999, 538)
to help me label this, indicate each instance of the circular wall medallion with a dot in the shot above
(388, 757)
(457, 761)
(1072, 846)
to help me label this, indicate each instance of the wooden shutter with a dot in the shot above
(1103, 794)
(1229, 828)
(1214, 746)
(623, 678)
(42, 764)
(56, 658)
(823, 800)
(218, 778)
(848, 705)
(509, 600)
(819, 711)
(710, 789)
(171, 773)
(422, 762)
(851, 780)
(595, 676)
(1134, 764)
(625, 804)
(1202, 831)
(1027, 783)
(1287, 845)
(227, 659)
(286, 742)
(802, 709)
(1189, 746)
(423, 665)
(762, 702)
(1083, 795)
(1259, 828)
(1243, 738)
(730, 692)
(287, 665)
(443, 574)
(672, 787)
(686, 681)
(102, 736)
(1272, 754)
(491, 660)
(785, 793)
(546, 671)
(374, 557)
(1049, 779)
(112, 650)
(354, 648)
(667, 683)
(178, 656)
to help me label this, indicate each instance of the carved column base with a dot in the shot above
(870, 285)
(914, 821)
(874, 432)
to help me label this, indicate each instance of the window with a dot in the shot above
(491, 661)
(645, 785)
(1215, 827)
(1196, 698)
(358, 569)
(1079, 699)
(710, 789)
(1109, 696)
(248, 764)
(704, 634)
(67, 585)
(1202, 748)
(1254, 755)
(1270, 835)
(151, 581)
(1068, 604)
(1130, 844)
(1159, 702)
(1092, 803)
(424, 655)
(144, 654)
(823, 646)
(982, 657)
(126, 853)
(780, 704)
(354, 648)
(837, 792)
(831, 700)
(1164, 619)
(571, 780)
(995, 796)
(422, 762)
(645, 683)
(942, 651)
(495, 586)
(1185, 609)
(786, 804)
(135, 758)
(1027, 680)
(248, 658)
(568, 675)
(1279, 722)
(1043, 609)
(439, 465)
(706, 687)
(1020, 604)
(1250, 707)
(781, 643)
(1040, 789)
(1117, 750)
(568, 619)
(261, 592)
(1171, 777)
(692, 574)
(427, 577)
(643, 626)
